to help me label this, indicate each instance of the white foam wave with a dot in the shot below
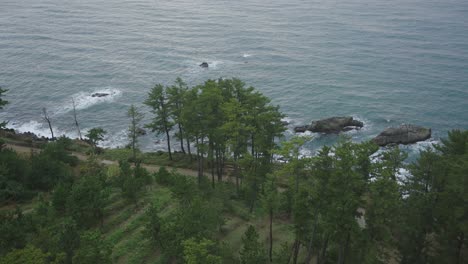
(214, 64)
(415, 149)
(39, 129)
(115, 140)
(246, 55)
(85, 100)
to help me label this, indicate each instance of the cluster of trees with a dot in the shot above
(60, 229)
(347, 204)
(65, 225)
(222, 118)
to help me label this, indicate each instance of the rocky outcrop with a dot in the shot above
(204, 64)
(404, 134)
(301, 129)
(140, 131)
(332, 125)
(99, 94)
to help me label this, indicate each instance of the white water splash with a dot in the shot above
(84, 100)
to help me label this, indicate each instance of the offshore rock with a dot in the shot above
(99, 94)
(204, 64)
(335, 125)
(404, 134)
(140, 131)
(300, 129)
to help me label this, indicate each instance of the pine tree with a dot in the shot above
(134, 129)
(252, 250)
(161, 123)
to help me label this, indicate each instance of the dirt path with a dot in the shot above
(82, 157)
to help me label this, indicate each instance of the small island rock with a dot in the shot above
(204, 64)
(99, 94)
(140, 131)
(335, 124)
(404, 134)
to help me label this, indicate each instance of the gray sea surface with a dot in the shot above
(383, 62)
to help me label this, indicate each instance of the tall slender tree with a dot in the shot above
(76, 120)
(2, 104)
(176, 100)
(161, 122)
(134, 130)
(46, 117)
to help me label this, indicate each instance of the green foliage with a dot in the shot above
(87, 199)
(161, 122)
(201, 252)
(27, 255)
(14, 174)
(153, 226)
(134, 130)
(47, 171)
(252, 250)
(66, 238)
(14, 226)
(164, 177)
(93, 249)
(60, 197)
(95, 135)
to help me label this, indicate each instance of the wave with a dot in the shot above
(246, 55)
(115, 140)
(84, 100)
(39, 129)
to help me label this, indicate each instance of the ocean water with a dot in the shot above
(383, 62)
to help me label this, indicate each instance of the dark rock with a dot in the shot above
(284, 122)
(99, 94)
(335, 125)
(140, 131)
(300, 129)
(204, 64)
(404, 134)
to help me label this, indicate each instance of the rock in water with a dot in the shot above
(99, 94)
(300, 129)
(204, 65)
(140, 131)
(404, 134)
(335, 124)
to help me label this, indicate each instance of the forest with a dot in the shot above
(248, 196)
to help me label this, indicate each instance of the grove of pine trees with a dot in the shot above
(349, 203)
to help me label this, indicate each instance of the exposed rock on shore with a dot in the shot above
(404, 134)
(332, 125)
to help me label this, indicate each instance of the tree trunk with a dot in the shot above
(47, 119)
(181, 135)
(346, 247)
(188, 148)
(296, 251)
(311, 241)
(212, 163)
(76, 120)
(236, 173)
(322, 258)
(461, 240)
(271, 235)
(218, 165)
(168, 143)
(199, 163)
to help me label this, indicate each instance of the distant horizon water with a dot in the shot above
(382, 62)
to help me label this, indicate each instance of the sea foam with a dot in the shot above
(84, 100)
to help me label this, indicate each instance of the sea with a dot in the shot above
(383, 62)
